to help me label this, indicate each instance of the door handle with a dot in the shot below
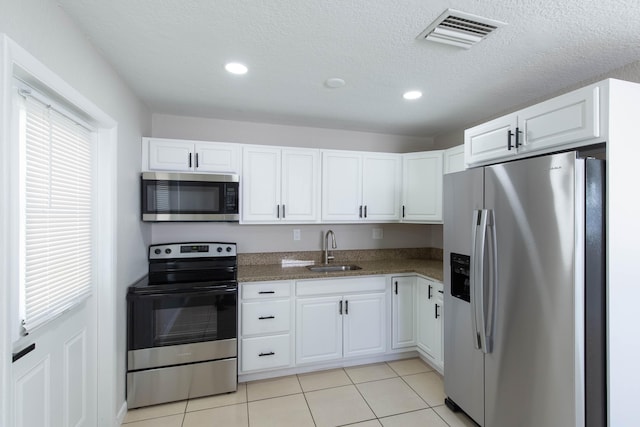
(346, 307)
(266, 292)
(197, 161)
(278, 211)
(360, 212)
(437, 306)
(396, 287)
(340, 309)
(365, 211)
(284, 215)
(20, 354)
(266, 317)
(429, 295)
(190, 159)
(271, 353)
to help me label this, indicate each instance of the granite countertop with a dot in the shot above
(431, 268)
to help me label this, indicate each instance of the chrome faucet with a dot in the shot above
(328, 257)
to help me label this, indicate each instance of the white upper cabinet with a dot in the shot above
(567, 120)
(359, 186)
(160, 154)
(422, 186)
(280, 184)
(454, 159)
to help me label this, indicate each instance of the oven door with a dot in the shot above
(189, 197)
(182, 316)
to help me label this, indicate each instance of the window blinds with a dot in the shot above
(56, 202)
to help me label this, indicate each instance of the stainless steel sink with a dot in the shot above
(329, 268)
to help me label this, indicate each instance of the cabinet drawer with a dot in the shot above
(265, 352)
(265, 317)
(265, 290)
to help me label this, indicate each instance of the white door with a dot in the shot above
(403, 331)
(318, 329)
(364, 324)
(437, 327)
(491, 140)
(217, 157)
(53, 378)
(426, 317)
(55, 384)
(381, 179)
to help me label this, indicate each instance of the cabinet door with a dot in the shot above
(260, 184)
(318, 329)
(403, 310)
(422, 187)
(300, 185)
(341, 186)
(569, 118)
(364, 324)
(381, 181)
(170, 155)
(217, 157)
(454, 159)
(426, 315)
(437, 346)
(490, 141)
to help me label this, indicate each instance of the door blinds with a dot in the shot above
(56, 203)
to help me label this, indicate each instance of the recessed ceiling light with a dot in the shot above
(412, 94)
(334, 83)
(236, 68)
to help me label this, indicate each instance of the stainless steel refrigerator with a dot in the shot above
(524, 326)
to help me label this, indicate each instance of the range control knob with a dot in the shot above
(219, 249)
(228, 248)
(167, 251)
(157, 251)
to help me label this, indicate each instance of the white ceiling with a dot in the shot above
(172, 54)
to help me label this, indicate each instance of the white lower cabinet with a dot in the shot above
(429, 317)
(330, 327)
(403, 312)
(265, 326)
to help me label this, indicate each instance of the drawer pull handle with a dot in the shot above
(266, 317)
(267, 292)
(271, 353)
(23, 352)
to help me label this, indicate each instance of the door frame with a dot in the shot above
(15, 60)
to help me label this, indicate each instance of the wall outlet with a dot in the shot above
(377, 233)
(296, 234)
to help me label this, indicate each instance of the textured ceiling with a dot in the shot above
(172, 54)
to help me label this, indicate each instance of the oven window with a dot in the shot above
(182, 319)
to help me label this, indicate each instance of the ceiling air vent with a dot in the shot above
(459, 29)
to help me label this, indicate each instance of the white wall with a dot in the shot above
(42, 28)
(279, 238)
(168, 126)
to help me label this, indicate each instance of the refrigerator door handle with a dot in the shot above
(479, 289)
(474, 277)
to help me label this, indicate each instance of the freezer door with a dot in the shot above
(532, 373)
(463, 364)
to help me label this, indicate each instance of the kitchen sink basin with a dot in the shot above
(329, 268)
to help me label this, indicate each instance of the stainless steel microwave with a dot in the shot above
(190, 197)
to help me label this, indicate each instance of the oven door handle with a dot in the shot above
(203, 292)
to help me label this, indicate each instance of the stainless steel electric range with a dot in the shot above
(182, 324)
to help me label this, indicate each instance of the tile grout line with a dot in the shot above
(304, 396)
(421, 398)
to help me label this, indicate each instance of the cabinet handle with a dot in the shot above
(271, 353)
(442, 292)
(190, 159)
(346, 307)
(518, 132)
(340, 310)
(197, 161)
(365, 211)
(278, 211)
(429, 293)
(284, 214)
(266, 317)
(402, 211)
(360, 213)
(437, 314)
(509, 135)
(266, 292)
(396, 287)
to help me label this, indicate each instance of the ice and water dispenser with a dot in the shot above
(460, 285)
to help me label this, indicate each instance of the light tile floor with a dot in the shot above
(401, 393)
